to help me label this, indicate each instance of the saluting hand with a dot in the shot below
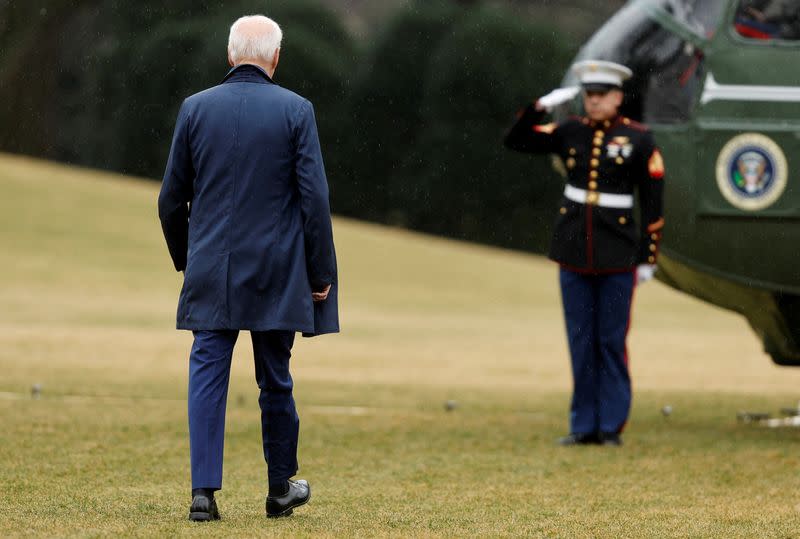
(321, 296)
(557, 97)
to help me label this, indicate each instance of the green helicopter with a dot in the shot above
(718, 82)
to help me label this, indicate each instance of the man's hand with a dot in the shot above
(645, 272)
(556, 98)
(321, 296)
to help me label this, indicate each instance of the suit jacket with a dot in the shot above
(617, 157)
(244, 209)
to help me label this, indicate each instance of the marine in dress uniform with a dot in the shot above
(596, 240)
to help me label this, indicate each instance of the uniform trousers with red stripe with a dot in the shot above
(597, 311)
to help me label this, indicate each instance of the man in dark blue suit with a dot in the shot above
(245, 213)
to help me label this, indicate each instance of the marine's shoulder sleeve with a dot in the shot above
(530, 135)
(650, 174)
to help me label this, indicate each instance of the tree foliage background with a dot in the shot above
(411, 116)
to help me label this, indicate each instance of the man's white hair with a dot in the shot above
(254, 37)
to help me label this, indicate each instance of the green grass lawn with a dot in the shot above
(88, 298)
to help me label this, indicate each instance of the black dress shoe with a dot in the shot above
(203, 509)
(281, 506)
(610, 438)
(579, 439)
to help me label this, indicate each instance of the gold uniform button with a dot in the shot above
(592, 197)
(592, 184)
(653, 248)
(654, 237)
(626, 121)
(651, 259)
(572, 151)
(596, 152)
(622, 220)
(563, 210)
(620, 160)
(607, 124)
(594, 163)
(598, 133)
(593, 174)
(570, 163)
(598, 141)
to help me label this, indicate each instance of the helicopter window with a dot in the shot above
(701, 16)
(671, 85)
(668, 73)
(768, 19)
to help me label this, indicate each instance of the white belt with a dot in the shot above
(593, 198)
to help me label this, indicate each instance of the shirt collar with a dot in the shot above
(247, 73)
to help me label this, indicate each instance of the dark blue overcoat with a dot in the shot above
(245, 212)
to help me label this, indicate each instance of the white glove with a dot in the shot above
(558, 96)
(645, 272)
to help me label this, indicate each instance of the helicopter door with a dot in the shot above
(664, 94)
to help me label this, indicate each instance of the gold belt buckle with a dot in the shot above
(592, 197)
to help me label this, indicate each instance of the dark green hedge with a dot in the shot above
(411, 124)
(100, 82)
(442, 88)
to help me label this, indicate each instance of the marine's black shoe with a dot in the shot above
(610, 438)
(281, 506)
(579, 439)
(204, 508)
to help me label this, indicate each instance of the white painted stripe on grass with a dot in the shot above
(318, 409)
(7, 395)
(339, 410)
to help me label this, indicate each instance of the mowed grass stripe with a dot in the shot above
(89, 298)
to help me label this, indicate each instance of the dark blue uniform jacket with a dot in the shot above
(617, 157)
(244, 209)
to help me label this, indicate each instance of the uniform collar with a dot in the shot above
(605, 125)
(247, 73)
